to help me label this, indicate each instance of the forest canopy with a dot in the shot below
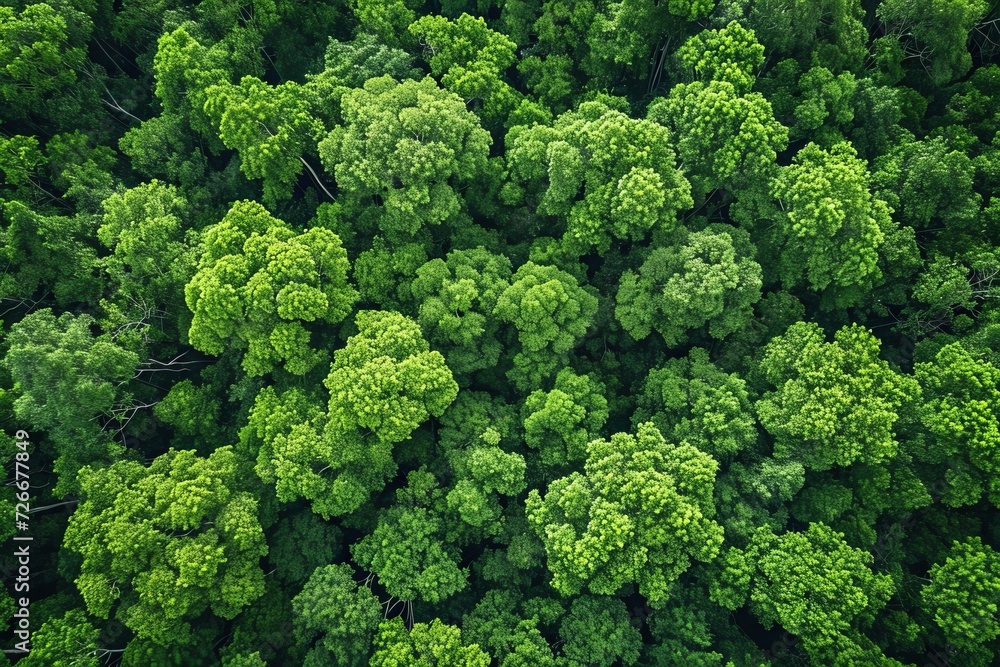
(500, 333)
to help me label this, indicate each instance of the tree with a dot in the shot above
(258, 284)
(43, 49)
(408, 146)
(608, 175)
(691, 400)
(382, 385)
(408, 549)
(551, 313)
(560, 423)
(940, 27)
(66, 379)
(963, 594)
(596, 631)
(153, 258)
(640, 512)
(436, 643)
(457, 297)
(707, 278)
(344, 615)
(815, 585)
(67, 640)
(271, 127)
(834, 403)
(469, 59)
(830, 226)
(167, 542)
(961, 401)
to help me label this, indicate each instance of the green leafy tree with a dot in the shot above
(597, 631)
(42, 51)
(551, 312)
(939, 30)
(963, 595)
(457, 296)
(271, 127)
(608, 175)
(469, 58)
(382, 385)
(152, 258)
(816, 586)
(691, 400)
(641, 512)
(258, 284)
(961, 401)
(167, 542)
(436, 643)
(408, 549)
(560, 423)
(71, 639)
(66, 379)
(343, 615)
(830, 227)
(411, 146)
(834, 403)
(707, 278)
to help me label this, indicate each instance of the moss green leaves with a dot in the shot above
(410, 146)
(259, 283)
(641, 512)
(834, 403)
(167, 542)
(608, 175)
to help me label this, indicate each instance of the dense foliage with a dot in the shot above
(508, 333)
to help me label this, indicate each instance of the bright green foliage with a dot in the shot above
(825, 99)
(192, 411)
(551, 313)
(640, 512)
(484, 472)
(731, 54)
(940, 30)
(66, 641)
(706, 278)
(596, 631)
(184, 69)
(830, 225)
(382, 385)
(42, 48)
(386, 379)
(152, 258)
(835, 403)
(67, 378)
(167, 542)
(271, 127)
(81, 170)
(624, 169)
(407, 550)
(436, 643)
(412, 146)
(816, 586)
(259, 282)
(457, 297)
(725, 137)
(964, 592)
(468, 57)
(385, 273)
(560, 423)
(961, 404)
(691, 400)
(386, 19)
(344, 615)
